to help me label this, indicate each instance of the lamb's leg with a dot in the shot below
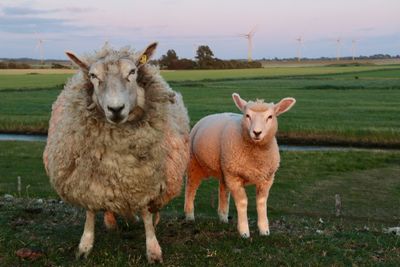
(261, 198)
(193, 180)
(223, 202)
(87, 239)
(109, 220)
(153, 249)
(236, 187)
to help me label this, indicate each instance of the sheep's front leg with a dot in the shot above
(153, 249)
(223, 202)
(87, 239)
(236, 187)
(261, 198)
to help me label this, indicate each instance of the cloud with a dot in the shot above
(23, 11)
(22, 20)
(367, 29)
(31, 24)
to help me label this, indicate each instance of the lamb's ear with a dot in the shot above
(284, 105)
(146, 54)
(240, 103)
(80, 63)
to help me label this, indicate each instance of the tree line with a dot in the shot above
(204, 60)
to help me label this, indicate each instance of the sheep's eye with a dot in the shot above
(269, 117)
(92, 76)
(248, 116)
(133, 71)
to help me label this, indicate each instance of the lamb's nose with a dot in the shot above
(257, 134)
(116, 110)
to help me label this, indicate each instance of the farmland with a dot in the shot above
(354, 105)
(348, 106)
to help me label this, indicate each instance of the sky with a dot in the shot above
(182, 25)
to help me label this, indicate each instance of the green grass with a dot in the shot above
(332, 108)
(195, 75)
(32, 79)
(27, 81)
(303, 192)
(335, 105)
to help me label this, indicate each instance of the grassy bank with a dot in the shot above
(355, 108)
(303, 193)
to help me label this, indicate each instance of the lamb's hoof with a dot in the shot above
(189, 217)
(223, 218)
(245, 235)
(264, 233)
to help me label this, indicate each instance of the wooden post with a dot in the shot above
(338, 205)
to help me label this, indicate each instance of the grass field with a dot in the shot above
(303, 193)
(42, 78)
(335, 105)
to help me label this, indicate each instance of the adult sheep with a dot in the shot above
(238, 150)
(118, 141)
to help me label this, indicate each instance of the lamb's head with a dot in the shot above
(113, 75)
(259, 120)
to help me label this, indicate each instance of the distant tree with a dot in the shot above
(205, 57)
(204, 53)
(12, 65)
(182, 64)
(58, 66)
(167, 59)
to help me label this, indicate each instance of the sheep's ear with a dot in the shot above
(80, 63)
(284, 105)
(146, 54)
(240, 103)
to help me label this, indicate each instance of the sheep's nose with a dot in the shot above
(257, 133)
(116, 110)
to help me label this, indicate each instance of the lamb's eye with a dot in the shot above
(92, 76)
(133, 71)
(269, 117)
(248, 116)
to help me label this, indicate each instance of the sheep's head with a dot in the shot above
(260, 119)
(114, 80)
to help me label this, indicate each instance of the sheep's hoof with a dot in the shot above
(154, 253)
(82, 255)
(190, 217)
(154, 259)
(85, 247)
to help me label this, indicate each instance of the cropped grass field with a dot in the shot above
(304, 229)
(355, 105)
(335, 105)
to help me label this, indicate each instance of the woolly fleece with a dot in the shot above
(121, 168)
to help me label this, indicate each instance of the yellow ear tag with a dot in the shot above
(143, 59)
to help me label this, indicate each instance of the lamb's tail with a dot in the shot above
(156, 218)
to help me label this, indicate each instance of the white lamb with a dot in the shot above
(118, 141)
(238, 150)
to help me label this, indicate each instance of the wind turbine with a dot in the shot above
(338, 46)
(353, 48)
(300, 43)
(40, 48)
(249, 36)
